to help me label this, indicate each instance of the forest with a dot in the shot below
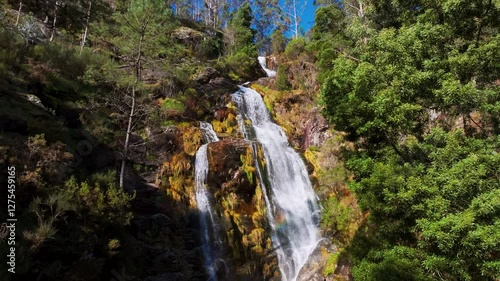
(393, 106)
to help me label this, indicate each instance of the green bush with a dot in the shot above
(211, 47)
(243, 63)
(282, 82)
(337, 218)
(173, 106)
(278, 42)
(108, 204)
(295, 48)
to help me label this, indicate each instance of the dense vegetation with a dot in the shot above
(88, 90)
(415, 85)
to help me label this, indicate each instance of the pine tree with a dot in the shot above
(242, 59)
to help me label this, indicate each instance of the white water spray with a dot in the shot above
(292, 205)
(208, 219)
(269, 72)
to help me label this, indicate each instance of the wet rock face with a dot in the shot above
(225, 174)
(240, 206)
(315, 130)
(313, 269)
(217, 91)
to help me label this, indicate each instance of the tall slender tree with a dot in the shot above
(293, 10)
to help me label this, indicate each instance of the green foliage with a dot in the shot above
(173, 105)
(243, 63)
(210, 47)
(282, 83)
(241, 27)
(443, 200)
(11, 52)
(242, 58)
(294, 48)
(337, 219)
(278, 42)
(328, 20)
(331, 264)
(48, 211)
(69, 15)
(108, 204)
(411, 83)
(59, 68)
(399, 263)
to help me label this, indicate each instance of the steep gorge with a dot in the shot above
(157, 227)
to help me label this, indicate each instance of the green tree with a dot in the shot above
(414, 84)
(242, 58)
(278, 42)
(445, 207)
(282, 82)
(267, 17)
(241, 32)
(71, 16)
(138, 43)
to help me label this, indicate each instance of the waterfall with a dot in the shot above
(207, 217)
(292, 207)
(262, 62)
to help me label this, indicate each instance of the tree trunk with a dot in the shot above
(127, 138)
(19, 12)
(84, 37)
(132, 108)
(295, 19)
(54, 23)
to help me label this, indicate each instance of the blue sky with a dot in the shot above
(308, 15)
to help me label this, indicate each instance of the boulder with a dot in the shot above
(218, 91)
(188, 35)
(265, 81)
(240, 207)
(313, 269)
(226, 170)
(218, 85)
(206, 75)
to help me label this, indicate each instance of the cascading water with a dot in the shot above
(207, 216)
(292, 205)
(269, 72)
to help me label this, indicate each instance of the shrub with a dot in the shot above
(243, 63)
(295, 48)
(282, 82)
(278, 42)
(173, 106)
(107, 203)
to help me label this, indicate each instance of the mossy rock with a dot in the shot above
(225, 163)
(240, 202)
